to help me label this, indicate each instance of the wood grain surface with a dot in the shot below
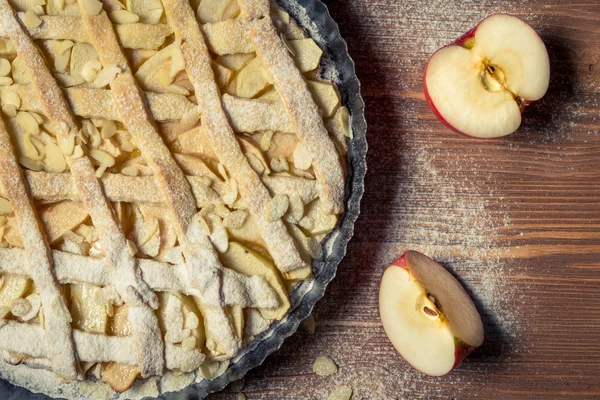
(516, 219)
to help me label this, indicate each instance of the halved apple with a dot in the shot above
(479, 85)
(427, 315)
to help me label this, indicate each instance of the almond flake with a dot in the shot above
(236, 219)
(92, 7)
(127, 146)
(230, 197)
(324, 366)
(124, 17)
(108, 129)
(341, 393)
(307, 223)
(9, 110)
(38, 117)
(90, 70)
(279, 164)
(66, 145)
(55, 158)
(100, 171)
(265, 141)
(33, 165)
(20, 307)
(130, 171)
(27, 122)
(5, 206)
(222, 172)
(5, 67)
(61, 62)
(276, 207)
(189, 343)
(222, 211)
(35, 303)
(31, 19)
(191, 321)
(30, 150)
(106, 76)
(255, 163)
(296, 209)
(301, 157)
(10, 98)
(132, 247)
(77, 152)
(63, 47)
(5, 81)
(102, 157)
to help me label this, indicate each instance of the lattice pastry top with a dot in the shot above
(168, 169)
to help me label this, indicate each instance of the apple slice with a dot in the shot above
(427, 315)
(479, 85)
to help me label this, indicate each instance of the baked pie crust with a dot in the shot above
(168, 169)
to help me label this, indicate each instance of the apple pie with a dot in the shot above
(168, 171)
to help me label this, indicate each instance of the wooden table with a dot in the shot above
(517, 219)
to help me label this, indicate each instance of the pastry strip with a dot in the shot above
(98, 103)
(239, 290)
(130, 285)
(37, 255)
(198, 66)
(250, 116)
(51, 186)
(201, 257)
(60, 27)
(303, 113)
(29, 340)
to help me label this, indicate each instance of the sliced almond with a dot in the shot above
(265, 140)
(31, 19)
(61, 62)
(223, 172)
(92, 7)
(5, 206)
(90, 70)
(55, 158)
(296, 209)
(236, 219)
(301, 157)
(189, 343)
(280, 164)
(108, 130)
(324, 366)
(10, 98)
(38, 118)
(106, 76)
(33, 165)
(5, 81)
(5, 67)
(101, 170)
(222, 211)
(255, 163)
(132, 170)
(77, 152)
(102, 157)
(27, 122)
(277, 207)
(64, 46)
(123, 17)
(9, 110)
(30, 149)
(232, 195)
(66, 145)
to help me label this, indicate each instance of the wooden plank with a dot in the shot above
(517, 218)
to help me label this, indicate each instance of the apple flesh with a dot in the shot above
(427, 315)
(480, 84)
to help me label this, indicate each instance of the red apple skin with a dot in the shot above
(461, 41)
(461, 351)
(401, 262)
